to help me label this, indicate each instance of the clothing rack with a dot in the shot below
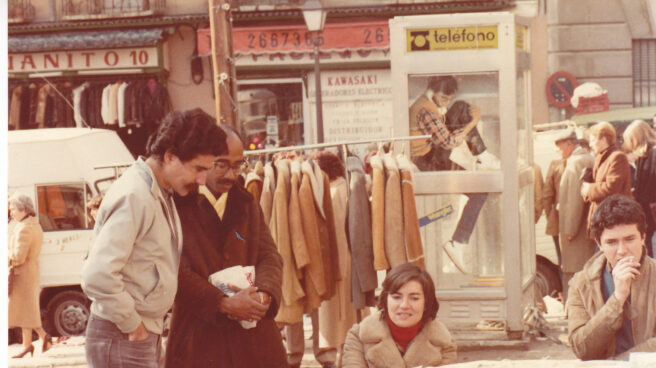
(342, 144)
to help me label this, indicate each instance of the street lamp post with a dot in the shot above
(315, 17)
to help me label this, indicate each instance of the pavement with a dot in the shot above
(476, 349)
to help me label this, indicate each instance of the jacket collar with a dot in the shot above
(354, 164)
(384, 352)
(309, 169)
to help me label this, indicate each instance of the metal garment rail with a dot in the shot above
(332, 144)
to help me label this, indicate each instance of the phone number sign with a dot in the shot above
(259, 40)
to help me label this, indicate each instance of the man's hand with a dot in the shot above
(139, 334)
(585, 188)
(624, 272)
(244, 305)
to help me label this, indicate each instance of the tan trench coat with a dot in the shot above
(268, 188)
(378, 212)
(24, 248)
(550, 195)
(593, 322)
(369, 344)
(573, 214)
(291, 308)
(337, 315)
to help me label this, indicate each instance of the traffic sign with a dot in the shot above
(560, 88)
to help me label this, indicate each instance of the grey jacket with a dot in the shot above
(131, 273)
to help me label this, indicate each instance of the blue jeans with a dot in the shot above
(107, 347)
(468, 217)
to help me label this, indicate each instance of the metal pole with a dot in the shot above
(317, 91)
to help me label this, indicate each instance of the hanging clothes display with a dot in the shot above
(253, 181)
(413, 244)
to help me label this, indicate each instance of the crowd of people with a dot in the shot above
(161, 231)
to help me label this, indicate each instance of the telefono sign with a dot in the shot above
(452, 38)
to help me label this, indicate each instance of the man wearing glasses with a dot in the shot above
(223, 226)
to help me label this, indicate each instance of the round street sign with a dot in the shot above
(560, 88)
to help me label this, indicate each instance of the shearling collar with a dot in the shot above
(252, 176)
(269, 178)
(316, 182)
(424, 349)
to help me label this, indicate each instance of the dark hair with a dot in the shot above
(458, 115)
(330, 163)
(616, 210)
(187, 134)
(445, 84)
(399, 276)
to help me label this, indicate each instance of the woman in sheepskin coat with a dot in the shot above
(404, 332)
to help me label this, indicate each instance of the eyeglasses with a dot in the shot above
(223, 166)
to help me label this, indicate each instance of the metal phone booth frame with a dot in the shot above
(488, 56)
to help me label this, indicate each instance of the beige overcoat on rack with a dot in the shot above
(413, 244)
(299, 245)
(394, 229)
(291, 308)
(268, 188)
(378, 212)
(337, 315)
(308, 196)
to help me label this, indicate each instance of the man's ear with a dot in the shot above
(168, 157)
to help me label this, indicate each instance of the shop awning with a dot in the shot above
(85, 40)
(296, 39)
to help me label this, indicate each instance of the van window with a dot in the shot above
(62, 207)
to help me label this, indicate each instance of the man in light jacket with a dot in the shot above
(612, 301)
(575, 247)
(131, 271)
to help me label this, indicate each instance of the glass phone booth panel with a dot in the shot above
(464, 79)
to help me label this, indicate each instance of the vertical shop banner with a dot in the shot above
(357, 104)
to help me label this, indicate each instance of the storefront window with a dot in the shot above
(472, 221)
(461, 111)
(62, 207)
(271, 115)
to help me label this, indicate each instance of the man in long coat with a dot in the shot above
(575, 247)
(205, 328)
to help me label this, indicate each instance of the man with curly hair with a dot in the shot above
(131, 271)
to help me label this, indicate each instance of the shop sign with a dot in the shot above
(357, 104)
(286, 39)
(452, 38)
(137, 57)
(305, 58)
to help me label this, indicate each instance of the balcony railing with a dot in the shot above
(104, 9)
(20, 11)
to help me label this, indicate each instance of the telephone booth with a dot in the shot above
(474, 191)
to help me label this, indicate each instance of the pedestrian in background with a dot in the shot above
(640, 140)
(24, 249)
(575, 247)
(131, 271)
(404, 331)
(611, 173)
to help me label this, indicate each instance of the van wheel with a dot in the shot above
(69, 312)
(547, 279)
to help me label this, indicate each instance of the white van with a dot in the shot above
(58, 168)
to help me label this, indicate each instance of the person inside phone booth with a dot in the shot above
(612, 302)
